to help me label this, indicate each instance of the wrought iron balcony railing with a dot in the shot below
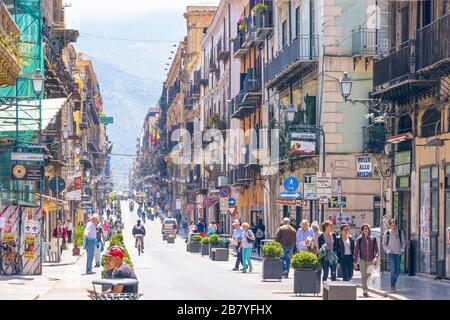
(369, 42)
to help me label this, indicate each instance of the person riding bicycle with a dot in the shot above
(139, 233)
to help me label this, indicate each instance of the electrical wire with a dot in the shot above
(125, 39)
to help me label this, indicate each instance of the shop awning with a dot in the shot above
(51, 204)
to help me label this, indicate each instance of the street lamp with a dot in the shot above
(290, 114)
(38, 82)
(66, 132)
(77, 149)
(345, 84)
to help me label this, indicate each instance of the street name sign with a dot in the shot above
(29, 157)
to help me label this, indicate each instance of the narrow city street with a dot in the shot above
(167, 272)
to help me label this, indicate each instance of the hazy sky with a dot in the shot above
(129, 43)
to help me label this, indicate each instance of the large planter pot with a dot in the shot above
(204, 249)
(76, 251)
(307, 281)
(272, 269)
(212, 246)
(195, 246)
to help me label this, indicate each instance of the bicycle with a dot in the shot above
(139, 240)
(10, 260)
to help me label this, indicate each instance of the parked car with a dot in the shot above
(169, 226)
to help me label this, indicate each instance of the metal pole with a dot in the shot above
(322, 206)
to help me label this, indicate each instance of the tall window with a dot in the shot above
(284, 34)
(297, 22)
(405, 23)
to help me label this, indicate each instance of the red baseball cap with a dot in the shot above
(115, 251)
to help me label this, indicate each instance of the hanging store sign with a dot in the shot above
(27, 172)
(303, 143)
(29, 157)
(107, 120)
(364, 166)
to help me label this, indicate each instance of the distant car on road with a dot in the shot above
(169, 226)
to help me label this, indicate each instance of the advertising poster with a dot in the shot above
(29, 247)
(303, 143)
(74, 188)
(31, 227)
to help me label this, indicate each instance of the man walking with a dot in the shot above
(394, 246)
(260, 235)
(90, 241)
(237, 237)
(285, 235)
(305, 239)
(366, 249)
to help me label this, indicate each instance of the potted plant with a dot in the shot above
(195, 244)
(78, 237)
(242, 25)
(214, 242)
(307, 275)
(205, 246)
(272, 267)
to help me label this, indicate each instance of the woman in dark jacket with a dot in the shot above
(344, 249)
(329, 238)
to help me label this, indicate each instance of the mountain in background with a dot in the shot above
(130, 72)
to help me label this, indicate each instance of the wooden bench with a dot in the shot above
(339, 290)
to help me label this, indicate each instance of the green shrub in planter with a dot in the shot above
(205, 240)
(272, 250)
(78, 237)
(304, 261)
(214, 239)
(196, 238)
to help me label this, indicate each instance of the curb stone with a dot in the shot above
(66, 264)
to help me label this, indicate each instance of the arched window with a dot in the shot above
(404, 124)
(431, 121)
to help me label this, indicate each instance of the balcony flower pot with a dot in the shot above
(272, 268)
(307, 273)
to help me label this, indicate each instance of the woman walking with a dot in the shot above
(327, 252)
(248, 238)
(366, 249)
(345, 250)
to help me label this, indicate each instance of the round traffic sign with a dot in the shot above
(225, 192)
(231, 202)
(57, 184)
(291, 184)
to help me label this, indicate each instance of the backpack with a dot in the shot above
(388, 234)
(259, 233)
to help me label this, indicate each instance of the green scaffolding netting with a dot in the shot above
(20, 108)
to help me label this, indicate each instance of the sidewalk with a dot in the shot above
(64, 280)
(408, 288)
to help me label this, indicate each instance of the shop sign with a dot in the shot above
(303, 143)
(29, 247)
(364, 166)
(8, 238)
(335, 203)
(27, 172)
(28, 157)
(285, 202)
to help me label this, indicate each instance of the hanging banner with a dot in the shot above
(303, 143)
(74, 188)
(364, 166)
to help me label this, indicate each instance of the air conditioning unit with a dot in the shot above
(222, 181)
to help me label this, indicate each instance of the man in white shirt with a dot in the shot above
(90, 241)
(237, 237)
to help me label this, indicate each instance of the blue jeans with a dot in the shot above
(89, 246)
(326, 266)
(287, 259)
(347, 267)
(394, 265)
